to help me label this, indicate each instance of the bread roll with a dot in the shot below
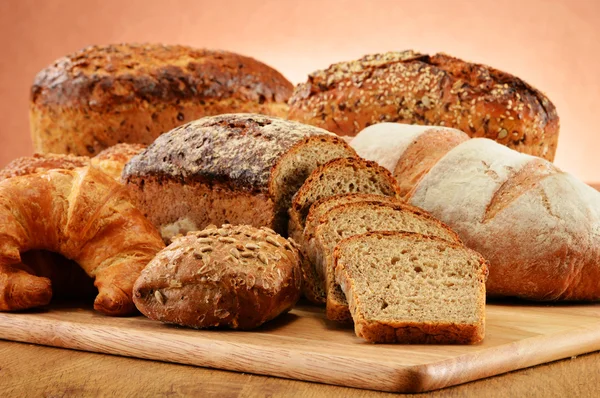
(228, 169)
(437, 90)
(237, 277)
(536, 225)
(104, 95)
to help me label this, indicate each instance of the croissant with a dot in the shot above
(87, 217)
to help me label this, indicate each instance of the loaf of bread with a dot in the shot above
(113, 159)
(437, 90)
(235, 168)
(84, 215)
(410, 288)
(104, 95)
(236, 277)
(356, 218)
(536, 225)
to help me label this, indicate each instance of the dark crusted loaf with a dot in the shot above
(437, 90)
(236, 277)
(234, 168)
(104, 95)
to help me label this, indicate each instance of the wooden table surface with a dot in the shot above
(27, 370)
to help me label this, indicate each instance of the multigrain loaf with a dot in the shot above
(538, 226)
(235, 276)
(357, 218)
(436, 90)
(104, 95)
(345, 175)
(235, 168)
(313, 287)
(410, 288)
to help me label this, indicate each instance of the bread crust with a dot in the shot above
(436, 90)
(103, 95)
(411, 332)
(235, 276)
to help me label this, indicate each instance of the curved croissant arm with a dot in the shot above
(84, 215)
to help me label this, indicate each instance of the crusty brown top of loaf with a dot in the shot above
(238, 149)
(121, 153)
(39, 163)
(99, 76)
(415, 88)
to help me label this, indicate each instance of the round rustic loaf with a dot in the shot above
(436, 90)
(237, 277)
(240, 169)
(104, 95)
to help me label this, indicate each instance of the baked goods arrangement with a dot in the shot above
(436, 90)
(202, 206)
(104, 95)
(535, 224)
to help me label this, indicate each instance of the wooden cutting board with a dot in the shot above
(303, 345)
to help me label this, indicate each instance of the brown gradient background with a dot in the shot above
(553, 44)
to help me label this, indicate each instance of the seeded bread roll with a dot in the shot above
(104, 95)
(437, 90)
(234, 277)
(236, 168)
(409, 288)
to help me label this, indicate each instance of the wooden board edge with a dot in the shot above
(307, 366)
(507, 358)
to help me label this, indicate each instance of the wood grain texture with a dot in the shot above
(303, 345)
(70, 373)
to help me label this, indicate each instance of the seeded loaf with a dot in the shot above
(410, 288)
(344, 175)
(313, 287)
(356, 218)
(234, 277)
(235, 168)
(437, 90)
(536, 225)
(104, 95)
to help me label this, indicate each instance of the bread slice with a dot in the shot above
(343, 175)
(313, 286)
(357, 218)
(411, 288)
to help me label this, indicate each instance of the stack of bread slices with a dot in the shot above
(396, 271)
